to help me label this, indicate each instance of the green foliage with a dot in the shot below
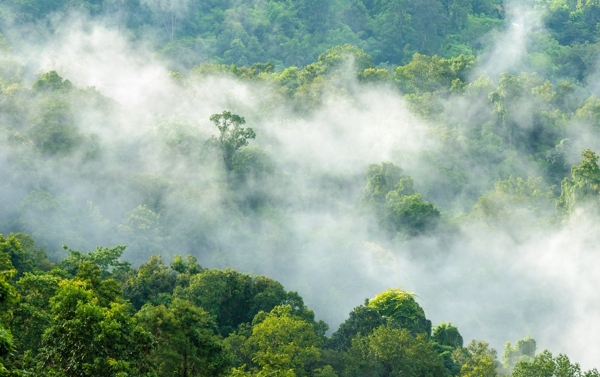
(232, 136)
(381, 179)
(13, 255)
(32, 316)
(447, 335)
(398, 206)
(143, 231)
(589, 113)
(489, 133)
(77, 320)
(88, 338)
(282, 342)
(392, 352)
(430, 74)
(105, 258)
(337, 56)
(401, 309)
(523, 350)
(54, 130)
(410, 213)
(584, 186)
(446, 340)
(362, 320)
(522, 203)
(8, 294)
(151, 283)
(477, 360)
(6, 348)
(545, 365)
(235, 298)
(252, 164)
(52, 81)
(186, 341)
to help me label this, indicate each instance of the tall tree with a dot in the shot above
(232, 136)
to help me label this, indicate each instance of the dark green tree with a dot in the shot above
(187, 343)
(362, 320)
(446, 340)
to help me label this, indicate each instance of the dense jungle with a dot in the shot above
(311, 188)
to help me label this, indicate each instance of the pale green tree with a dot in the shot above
(584, 187)
(232, 136)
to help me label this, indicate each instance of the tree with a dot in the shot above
(523, 350)
(54, 130)
(428, 74)
(446, 339)
(391, 352)
(544, 365)
(168, 12)
(516, 203)
(281, 342)
(106, 258)
(92, 331)
(362, 320)
(584, 187)
(477, 360)
(143, 231)
(152, 281)
(381, 179)
(335, 57)
(447, 335)
(188, 344)
(315, 14)
(8, 298)
(52, 81)
(397, 205)
(392, 26)
(411, 214)
(252, 164)
(235, 298)
(231, 135)
(12, 250)
(402, 310)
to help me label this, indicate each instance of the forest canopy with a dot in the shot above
(212, 188)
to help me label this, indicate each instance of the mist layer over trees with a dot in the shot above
(342, 149)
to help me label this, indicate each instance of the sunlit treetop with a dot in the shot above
(402, 310)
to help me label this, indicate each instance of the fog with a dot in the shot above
(490, 282)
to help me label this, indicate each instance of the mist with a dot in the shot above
(144, 127)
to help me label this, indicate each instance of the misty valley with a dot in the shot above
(310, 188)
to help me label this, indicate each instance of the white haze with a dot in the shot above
(492, 286)
(510, 46)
